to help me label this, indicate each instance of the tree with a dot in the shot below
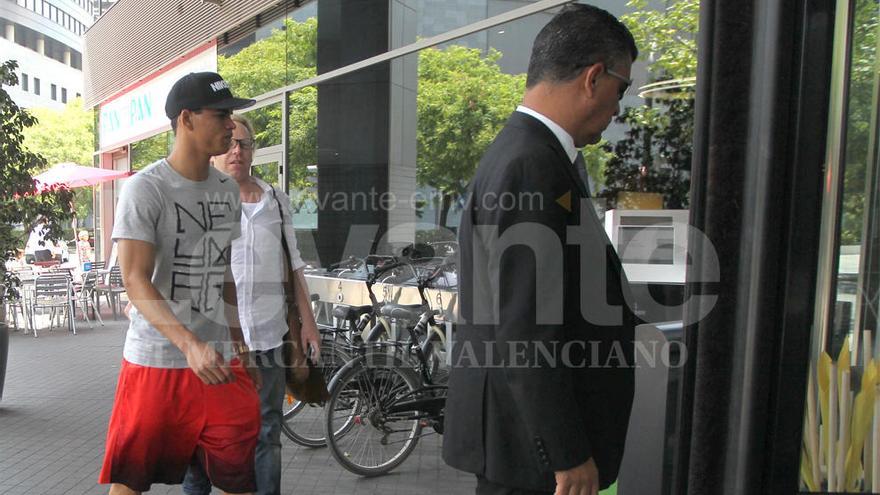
(285, 56)
(65, 136)
(463, 101)
(62, 135)
(656, 154)
(861, 93)
(21, 208)
(666, 38)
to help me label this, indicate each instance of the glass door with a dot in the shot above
(841, 445)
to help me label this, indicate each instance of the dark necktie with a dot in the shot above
(581, 166)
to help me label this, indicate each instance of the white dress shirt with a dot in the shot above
(258, 268)
(564, 138)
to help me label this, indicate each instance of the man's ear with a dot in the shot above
(185, 119)
(590, 77)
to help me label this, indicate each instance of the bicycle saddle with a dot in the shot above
(410, 312)
(351, 312)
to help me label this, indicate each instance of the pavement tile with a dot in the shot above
(56, 404)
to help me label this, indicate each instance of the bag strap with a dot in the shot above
(291, 279)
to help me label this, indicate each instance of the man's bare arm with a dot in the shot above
(137, 260)
(310, 335)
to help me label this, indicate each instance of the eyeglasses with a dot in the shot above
(627, 82)
(245, 144)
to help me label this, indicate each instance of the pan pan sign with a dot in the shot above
(140, 112)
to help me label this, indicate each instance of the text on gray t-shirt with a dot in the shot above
(192, 225)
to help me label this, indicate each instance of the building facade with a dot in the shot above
(45, 37)
(350, 136)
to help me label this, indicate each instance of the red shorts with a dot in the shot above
(164, 419)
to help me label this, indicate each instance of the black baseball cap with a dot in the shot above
(198, 90)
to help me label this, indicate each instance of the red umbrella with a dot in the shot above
(73, 175)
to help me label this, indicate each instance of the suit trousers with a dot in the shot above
(486, 487)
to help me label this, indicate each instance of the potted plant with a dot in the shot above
(21, 207)
(650, 167)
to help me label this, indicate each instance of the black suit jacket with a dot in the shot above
(538, 384)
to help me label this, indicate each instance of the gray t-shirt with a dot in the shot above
(192, 225)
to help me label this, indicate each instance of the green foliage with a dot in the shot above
(285, 56)
(20, 206)
(666, 38)
(596, 157)
(656, 154)
(62, 136)
(463, 101)
(149, 150)
(865, 67)
(65, 136)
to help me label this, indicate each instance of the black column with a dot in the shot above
(762, 98)
(353, 122)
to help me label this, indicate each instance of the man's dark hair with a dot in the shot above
(577, 37)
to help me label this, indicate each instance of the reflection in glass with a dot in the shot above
(267, 125)
(856, 172)
(267, 172)
(285, 51)
(464, 99)
(303, 157)
(841, 444)
(149, 150)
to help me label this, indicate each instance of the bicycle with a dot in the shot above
(301, 422)
(381, 400)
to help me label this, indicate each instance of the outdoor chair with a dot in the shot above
(86, 296)
(53, 292)
(16, 305)
(111, 290)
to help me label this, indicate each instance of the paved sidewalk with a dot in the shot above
(53, 421)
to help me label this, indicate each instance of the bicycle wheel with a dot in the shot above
(303, 423)
(369, 439)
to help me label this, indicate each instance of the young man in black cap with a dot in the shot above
(186, 392)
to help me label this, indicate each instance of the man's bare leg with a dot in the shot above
(118, 489)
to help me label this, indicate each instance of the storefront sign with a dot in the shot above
(141, 111)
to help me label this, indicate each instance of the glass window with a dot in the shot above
(395, 144)
(24, 81)
(285, 50)
(149, 150)
(857, 170)
(36, 85)
(54, 94)
(63, 95)
(475, 82)
(845, 332)
(267, 125)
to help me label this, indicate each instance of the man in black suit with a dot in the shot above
(542, 381)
